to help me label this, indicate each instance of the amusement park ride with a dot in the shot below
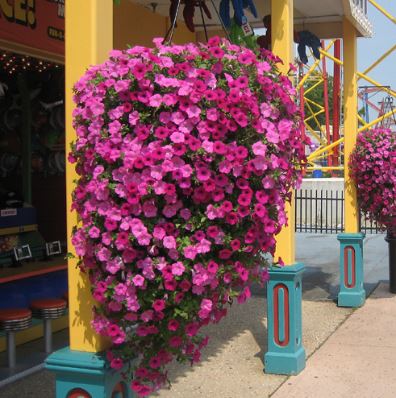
(327, 152)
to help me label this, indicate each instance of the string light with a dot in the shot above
(12, 63)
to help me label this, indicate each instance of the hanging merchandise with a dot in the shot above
(243, 35)
(303, 38)
(3, 89)
(10, 199)
(239, 15)
(8, 163)
(56, 163)
(12, 115)
(8, 243)
(188, 11)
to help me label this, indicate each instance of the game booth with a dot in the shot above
(33, 268)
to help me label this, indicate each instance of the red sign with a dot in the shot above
(38, 24)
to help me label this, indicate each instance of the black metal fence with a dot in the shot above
(323, 212)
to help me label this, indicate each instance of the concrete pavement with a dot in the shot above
(232, 364)
(359, 358)
(320, 255)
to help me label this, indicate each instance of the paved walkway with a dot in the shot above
(359, 358)
(347, 349)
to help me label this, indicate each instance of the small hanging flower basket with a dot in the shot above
(185, 157)
(373, 168)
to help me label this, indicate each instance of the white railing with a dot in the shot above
(362, 4)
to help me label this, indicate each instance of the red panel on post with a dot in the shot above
(78, 393)
(119, 391)
(276, 293)
(348, 249)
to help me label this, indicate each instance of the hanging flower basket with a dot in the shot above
(185, 157)
(373, 168)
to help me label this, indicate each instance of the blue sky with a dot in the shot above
(370, 49)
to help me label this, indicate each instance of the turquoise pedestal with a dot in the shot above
(285, 355)
(85, 375)
(352, 293)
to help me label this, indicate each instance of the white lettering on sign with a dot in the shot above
(8, 212)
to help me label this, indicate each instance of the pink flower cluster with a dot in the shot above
(185, 156)
(373, 168)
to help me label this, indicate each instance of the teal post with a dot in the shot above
(352, 293)
(85, 375)
(286, 354)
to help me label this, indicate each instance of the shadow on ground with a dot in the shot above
(232, 364)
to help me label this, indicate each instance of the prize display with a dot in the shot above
(32, 148)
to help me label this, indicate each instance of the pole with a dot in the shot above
(89, 38)
(286, 354)
(326, 106)
(391, 239)
(366, 107)
(350, 124)
(336, 100)
(301, 92)
(282, 46)
(352, 293)
(82, 369)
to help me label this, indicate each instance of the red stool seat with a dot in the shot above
(48, 309)
(13, 320)
(14, 314)
(47, 304)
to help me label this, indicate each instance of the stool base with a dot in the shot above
(11, 351)
(47, 325)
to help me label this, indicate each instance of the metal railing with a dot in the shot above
(362, 4)
(322, 211)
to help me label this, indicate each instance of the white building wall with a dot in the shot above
(320, 212)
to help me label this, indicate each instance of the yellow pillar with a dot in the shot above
(89, 38)
(350, 123)
(282, 45)
(351, 294)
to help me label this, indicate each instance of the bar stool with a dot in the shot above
(48, 309)
(13, 320)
